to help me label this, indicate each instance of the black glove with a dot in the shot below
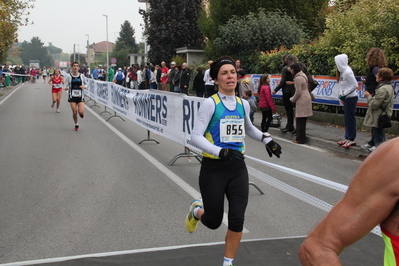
(231, 155)
(273, 148)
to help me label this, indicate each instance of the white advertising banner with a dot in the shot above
(168, 114)
(326, 92)
(172, 115)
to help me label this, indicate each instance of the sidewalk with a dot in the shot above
(324, 136)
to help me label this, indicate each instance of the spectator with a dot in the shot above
(119, 77)
(176, 79)
(158, 74)
(133, 77)
(266, 103)
(152, 81)
(252, 104)
(171, 76)
(101, 73)
(347, 85)
(381, 102)
(111, 74)
(140, 81)
(164, 75)
(209, 82)
(375, 60)
(244, 83)
(23, 71)
(238, 65)
(303, 101)
(199, 84)
(126, 79)
(185, 79)
(145, 80)
(95, 73)
(287, 85)
(1, 77)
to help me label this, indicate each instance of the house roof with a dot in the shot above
(101, 47)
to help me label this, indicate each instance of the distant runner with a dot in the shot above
(76, 83)
(56, 82)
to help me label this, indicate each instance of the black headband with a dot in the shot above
(215, 66)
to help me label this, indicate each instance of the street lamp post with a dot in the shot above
(88, 52)
(106, 17)
(78, 54)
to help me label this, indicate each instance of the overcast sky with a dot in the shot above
(65, 23)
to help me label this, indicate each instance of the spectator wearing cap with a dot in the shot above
(171, 75)
(101, 73)
(119, 77)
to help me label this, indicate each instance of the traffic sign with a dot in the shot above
(113, 60)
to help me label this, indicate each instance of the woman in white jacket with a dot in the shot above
(347, 85)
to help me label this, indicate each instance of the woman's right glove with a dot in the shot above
(231, 155)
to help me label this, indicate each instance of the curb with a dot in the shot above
(354, 151)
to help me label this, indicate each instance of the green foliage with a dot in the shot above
(126, 35)
(53, 50)
(121, 56)
(243, 37)
(125, 44)
(171, 24)
(218, 12)
(12, 14)
(178, 59)
(34, 50)
(353, 28)
(361, 26)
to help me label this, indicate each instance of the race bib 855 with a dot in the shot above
(232, 130)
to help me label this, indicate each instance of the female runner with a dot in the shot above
(56, 82)
(219, 131)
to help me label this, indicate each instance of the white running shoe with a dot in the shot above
(366, 146)
(372, 149)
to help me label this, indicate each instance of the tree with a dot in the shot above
(363, 25)
(12, 14)
(170, 24)
(80, 58)
(126, 35)
(121, 52)
(125, 44)
(13, 55)
(243, 37)
(218, 12)
(54, 51)
(36, 51)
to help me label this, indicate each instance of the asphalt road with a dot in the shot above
(66, 193)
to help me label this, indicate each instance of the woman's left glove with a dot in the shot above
(273, 148)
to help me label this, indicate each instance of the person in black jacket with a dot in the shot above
(176, 79)
(287, 84)
(185, 78)
(199, 84)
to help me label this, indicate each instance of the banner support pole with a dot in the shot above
(148, 138)
(187, 153)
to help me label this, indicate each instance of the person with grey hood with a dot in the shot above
(347, 86)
